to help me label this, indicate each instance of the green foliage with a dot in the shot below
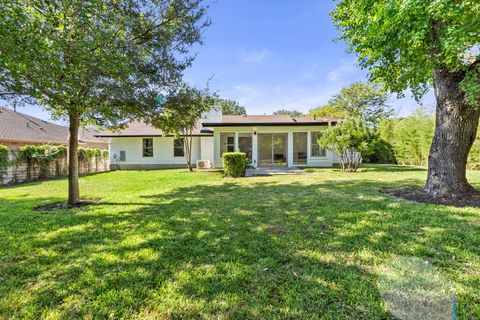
(350, 140)
(234, 164)
(102, 60)
(36, 154)
(293, 113)
(401, 42)
(231, 107)
(410, 137)
(88, 154)
(365, 100)
(4, 160)
(327, 110)
(382, 152)
(105, 154)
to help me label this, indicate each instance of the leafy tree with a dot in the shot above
(231, 107)
(293, 113)
(363, 99)
(327, 110)
(181, 114)
(101, 62)
(350, 140)
(416, 44)
(410, 136)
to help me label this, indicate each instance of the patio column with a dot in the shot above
(237, 148)
(255, 148)
(290, 149)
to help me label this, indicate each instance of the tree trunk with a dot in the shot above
(455, 131)
(73, 188)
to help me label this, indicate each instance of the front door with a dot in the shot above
(272, 149)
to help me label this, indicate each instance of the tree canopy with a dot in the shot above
(327, 110)
(401, 42)
(293, 113)
(365, 100)
(231, 107)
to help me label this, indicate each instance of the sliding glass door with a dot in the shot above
(272, 149)
(300, 148)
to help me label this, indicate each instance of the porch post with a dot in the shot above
(255, 147)
(290, 149)
(237, 148)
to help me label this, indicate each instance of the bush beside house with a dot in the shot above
(4, 161)
(234, 164)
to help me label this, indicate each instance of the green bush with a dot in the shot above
(234, 164)
(40, 156)
(104, 154)
(4, 161)
(382, 153)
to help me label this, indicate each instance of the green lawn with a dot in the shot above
(170, 244)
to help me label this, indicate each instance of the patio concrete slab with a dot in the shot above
(270, 171)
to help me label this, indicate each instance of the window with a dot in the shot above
(227, 141)
(178, 148)
(148, 147)
(317, 150)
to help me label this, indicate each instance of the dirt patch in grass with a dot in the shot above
(64, 205)
(418, 195)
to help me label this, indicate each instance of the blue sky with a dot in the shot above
(271, 55)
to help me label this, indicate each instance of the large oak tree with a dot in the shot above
(100, 62)
(416, 44)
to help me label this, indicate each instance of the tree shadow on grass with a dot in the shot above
(264, 250)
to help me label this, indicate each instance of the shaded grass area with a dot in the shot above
(170, 244)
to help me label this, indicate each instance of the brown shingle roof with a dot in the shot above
(20, 127)
(268, 120)
(141, 129)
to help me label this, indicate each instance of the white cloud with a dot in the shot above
(255, 56)
(246, 94)
(344, 69)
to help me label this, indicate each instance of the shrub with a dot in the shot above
(4, 161)
(234, 164)
(104, 154)
(382, 153)
(41, 156)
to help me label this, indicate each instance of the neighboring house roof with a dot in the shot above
(271, 120)
(20, 127)
(141, 129)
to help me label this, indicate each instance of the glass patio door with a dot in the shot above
(245, 145)
(272, 149)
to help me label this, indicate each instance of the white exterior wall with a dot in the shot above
(311, 161)
(206, 146)
(162, 152)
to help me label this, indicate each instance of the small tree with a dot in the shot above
(181, 114)
(327, 110)
(96, 61)
(350, 140)
(365, 100)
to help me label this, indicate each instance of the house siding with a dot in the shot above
(162, 153)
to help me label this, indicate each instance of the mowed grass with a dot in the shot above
(170, 244)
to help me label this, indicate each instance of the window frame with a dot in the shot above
(320, 155)
(176, 147)
(227, 145)
(144, 148)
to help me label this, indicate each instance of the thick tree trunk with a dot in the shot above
(73, 188)
(455, 131)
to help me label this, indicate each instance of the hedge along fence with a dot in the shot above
(40, 162)
(4, 161)
(234, 164)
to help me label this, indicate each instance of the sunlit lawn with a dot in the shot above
(170, 244)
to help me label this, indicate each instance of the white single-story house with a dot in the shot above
(267, 140)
